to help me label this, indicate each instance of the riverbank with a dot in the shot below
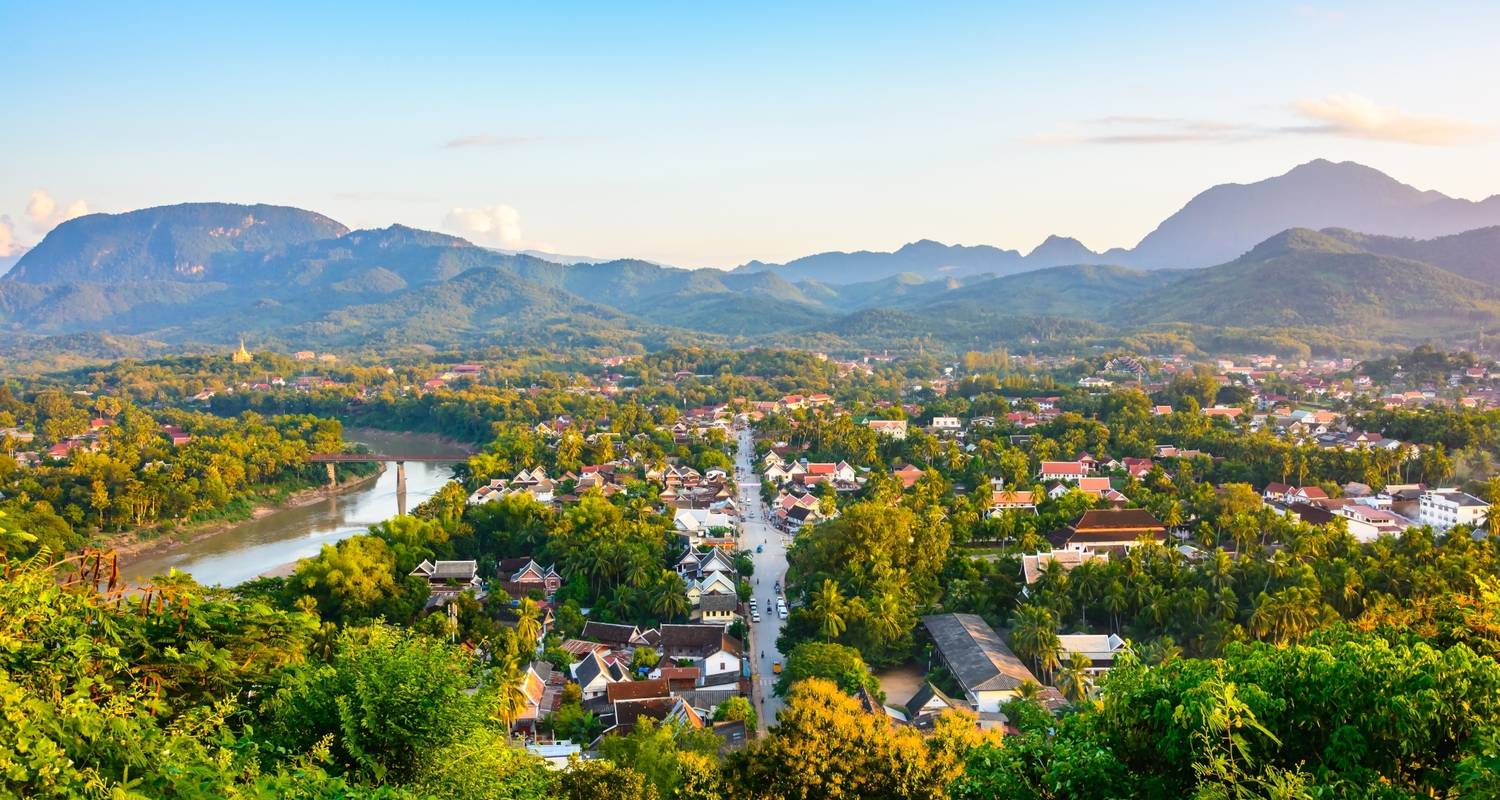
(132, 545)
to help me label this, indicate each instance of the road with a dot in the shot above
(770, 567)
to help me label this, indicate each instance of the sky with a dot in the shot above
(699, 135)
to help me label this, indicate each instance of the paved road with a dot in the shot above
(770, 566)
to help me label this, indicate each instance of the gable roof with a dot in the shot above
(975, 654)
(610, 633)
(635, 690)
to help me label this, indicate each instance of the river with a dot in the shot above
(275, 541)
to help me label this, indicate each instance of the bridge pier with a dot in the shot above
(333, 478)
(401, 488)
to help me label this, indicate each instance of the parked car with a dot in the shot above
(778, 587)
(755, 615)
(776, 666)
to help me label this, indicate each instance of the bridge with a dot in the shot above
(383, 458)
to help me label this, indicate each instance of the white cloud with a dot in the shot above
(1344, 115)
(41, 207)
(44, 214)
(1361, 118)
(8, 244)
(499, 226)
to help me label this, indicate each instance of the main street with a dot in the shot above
(770, 567)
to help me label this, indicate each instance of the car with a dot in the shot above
(778, 587)
(781, 611)
(755, 615)
(760, 548)
(776, 666)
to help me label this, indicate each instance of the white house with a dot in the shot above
(594, 675)
(946, 424)
(1445, 508)
(1100, 649)
(1063, 470)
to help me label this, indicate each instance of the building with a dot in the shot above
(242, 356)
(989, 673)
(716, 652)
(1063, 470)
(1108, 528)
(1033, 565)
(450, 578)
(892, 428)
(1100, 649)
(1445, 508)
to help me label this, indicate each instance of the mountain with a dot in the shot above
(1305, 279)
(926, 258)
(1473, 254)
(187, 242)
(1084, 291)
(1223, 222)
(285, 276)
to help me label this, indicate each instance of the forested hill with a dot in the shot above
(206, 275)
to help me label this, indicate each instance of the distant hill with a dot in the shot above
(1216, 226)
(1473, 254)
(1302, 278)
(188, 242)
(1223, 222)
(926, 258)
(283, 276)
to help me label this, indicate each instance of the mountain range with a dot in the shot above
(1388, 267)
(1214, 227)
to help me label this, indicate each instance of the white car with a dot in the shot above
(781, 611)
(755, 615)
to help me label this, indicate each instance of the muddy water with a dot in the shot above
(278, 540)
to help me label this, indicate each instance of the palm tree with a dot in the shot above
(1074, 680)
(828, 606)
(529, 624)
(885, 617)
(1033, 634)
(1116, 601)
(668, 597)
(510, 696)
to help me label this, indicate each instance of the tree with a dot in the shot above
(600, 779)
(386, 699)
(737, 709)
(1033, 634)
(656, 751)
(837, 663)
(351, 580)
(828, 607)
(1074, 681)
(825, 746)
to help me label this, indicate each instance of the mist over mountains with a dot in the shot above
(1391, 264)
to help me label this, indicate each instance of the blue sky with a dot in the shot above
(707, 137)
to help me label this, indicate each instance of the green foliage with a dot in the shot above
(387, 698)
(836, 663)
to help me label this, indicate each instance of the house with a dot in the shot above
(615, 635)
(1367, 523)
(449, 578)
(908, 475)
(716, 652)
(946, 425)
(924, 707)
(1106, 528)
(985, 668)
(1032, 565)
(1445, 508)
(594, 674)
(1062, 470)
(1100, 649)
(522, 576)
(542, 686)
(718, 609)
(1012, 500)
(890, 428)
(637, 690)
(658, 709)
(1137, 468)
